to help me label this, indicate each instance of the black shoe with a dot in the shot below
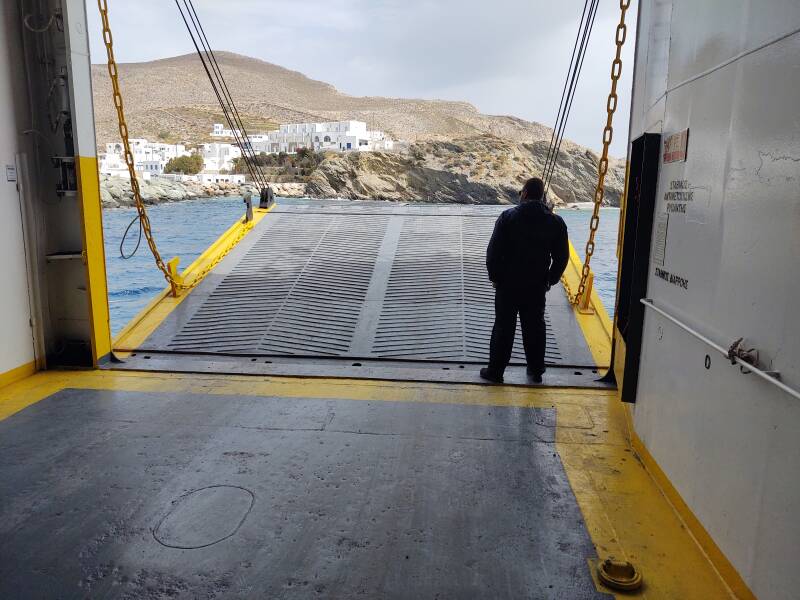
(535, 375)
(490, 375)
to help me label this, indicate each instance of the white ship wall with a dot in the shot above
(16, 341)
(729, 442)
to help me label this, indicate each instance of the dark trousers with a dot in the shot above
(530, 307)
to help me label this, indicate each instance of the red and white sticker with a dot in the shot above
(676, 147)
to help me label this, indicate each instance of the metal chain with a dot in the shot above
(200, 275)
(113, 73)
(572, 298)
(602, 167)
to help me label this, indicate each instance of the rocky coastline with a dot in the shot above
(115, 192)
(474, 170)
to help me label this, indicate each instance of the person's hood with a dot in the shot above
(538, 206)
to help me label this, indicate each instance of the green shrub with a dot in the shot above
(188, 165)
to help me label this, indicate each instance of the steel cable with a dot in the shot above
(570, 86)
(564, 92)
(221, 90)
(573, 88)
(226, 92)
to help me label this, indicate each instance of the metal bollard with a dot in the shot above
(248, 201)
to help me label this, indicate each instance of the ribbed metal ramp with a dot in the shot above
(360, 280)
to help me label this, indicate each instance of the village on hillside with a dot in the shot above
(218, 161)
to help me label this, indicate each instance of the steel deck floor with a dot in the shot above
(127, 494)
(361, 280)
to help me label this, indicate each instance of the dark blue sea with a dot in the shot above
(186, 229)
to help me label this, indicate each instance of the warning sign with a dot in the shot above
(676, 147)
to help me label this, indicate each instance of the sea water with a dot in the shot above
(185, 229)
(604, 259)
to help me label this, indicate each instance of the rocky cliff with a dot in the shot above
(475, 170)
(115, 192)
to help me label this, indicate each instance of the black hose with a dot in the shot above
(135, 219)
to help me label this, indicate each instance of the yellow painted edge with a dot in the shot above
(597, 327)
(88, 181)
(31, 390)
(623, 208)
(716, 557)
(143, 324)
(589, 447)
(620, 352)
(18, 374)
(620, 348)
(588, 451)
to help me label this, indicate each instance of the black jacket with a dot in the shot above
(529, 248)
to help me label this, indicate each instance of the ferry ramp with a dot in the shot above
(363, 288)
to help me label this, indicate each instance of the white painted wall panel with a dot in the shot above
(16, 342)
(82, 105)
(729, 442)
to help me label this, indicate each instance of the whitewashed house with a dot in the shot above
(219, 130)
(340, 136)
(216, 177)
(148, 158)
(219, 156)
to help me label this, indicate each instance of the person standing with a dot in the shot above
(526, 256)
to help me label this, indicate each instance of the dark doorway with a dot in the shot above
(635, 259)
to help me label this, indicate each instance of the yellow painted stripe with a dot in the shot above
(17, 374)
(97, 290)
(148, 320)
(34, 389)
(620, 352)
(625, 512)
(713, 552)
(597, 327)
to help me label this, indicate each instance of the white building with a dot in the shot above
(341, 136)
(220, 131)
(219, 157)
(215, 177)
(148, 157)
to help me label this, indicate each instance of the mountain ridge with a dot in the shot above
(275, 94)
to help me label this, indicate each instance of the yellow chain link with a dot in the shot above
(113, 73)
(602, 167)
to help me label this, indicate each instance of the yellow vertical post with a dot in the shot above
(585, 300)
(95, 256)
(175, 278)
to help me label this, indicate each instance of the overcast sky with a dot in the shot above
(507, 57)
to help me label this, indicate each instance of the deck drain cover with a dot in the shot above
(204, 517)
(619, 575)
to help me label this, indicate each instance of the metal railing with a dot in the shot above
(769, 376)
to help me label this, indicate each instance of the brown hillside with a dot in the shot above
(172, 98)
